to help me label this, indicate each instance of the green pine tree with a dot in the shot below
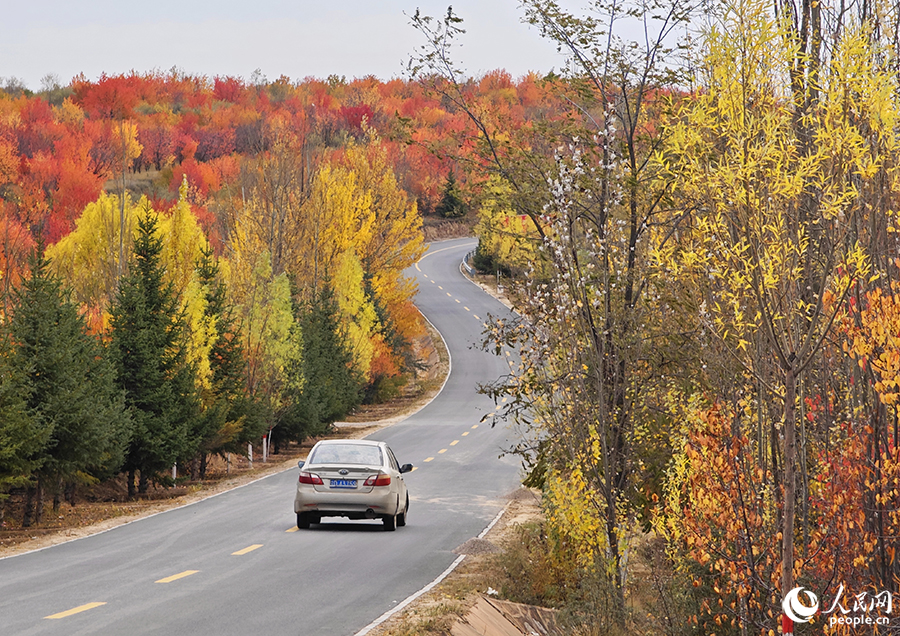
(330, 387)
(148, 348)
(229, 419)
(451, 205)
(70, 386)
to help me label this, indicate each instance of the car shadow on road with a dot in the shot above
(346, 526)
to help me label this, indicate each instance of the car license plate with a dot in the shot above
(343, 483)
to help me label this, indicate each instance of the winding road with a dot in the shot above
(235, 564)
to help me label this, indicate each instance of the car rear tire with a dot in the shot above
(390, 522)
(401, 518)
(303, 520)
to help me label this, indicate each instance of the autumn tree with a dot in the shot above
(506, 241)
(269, 334)
(87, 259)
(363, 232)
(266, 209)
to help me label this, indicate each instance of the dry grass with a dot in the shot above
(437, 229)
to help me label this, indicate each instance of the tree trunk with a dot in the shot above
(131, 492)
(29, 507)
(195, 468)
(57, 495)
(70, 493)
(39, 504)
(790, 453)
(143, 483)
(203, 461)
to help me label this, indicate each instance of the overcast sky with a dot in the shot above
(297, 38)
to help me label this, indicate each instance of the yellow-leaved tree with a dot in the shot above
(270, 335)
(87, 259)
(506, 240)
(357, 313)
(183, 245)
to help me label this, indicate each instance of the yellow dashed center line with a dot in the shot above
(432, 282)
(76, 610)
(498, 407)
(443, 450)
(175, 577)
(415, 468)
(454, 442)
(476, 317)
(466, 308)
(448, 293)
(294, 529)
(439, 287)
(504, 400)
(428, 459)
(466, 433)
(249, 548)
(475, 426)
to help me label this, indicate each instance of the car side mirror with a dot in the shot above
(406, 468)
(300, 464)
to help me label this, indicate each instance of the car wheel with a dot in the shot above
(390, 522)
(401, 518)
(302, 520)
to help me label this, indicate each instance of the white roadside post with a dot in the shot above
(250, 453)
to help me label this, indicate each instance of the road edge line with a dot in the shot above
(449, 364)
(512, 310)
(443, 575)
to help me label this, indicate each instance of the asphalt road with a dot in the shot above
(234, 564)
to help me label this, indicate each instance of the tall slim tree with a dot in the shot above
(451, 205)
(148, 348)
(330, 385)
(228, 419)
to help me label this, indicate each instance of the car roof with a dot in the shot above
(366, 442)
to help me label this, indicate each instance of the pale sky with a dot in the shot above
(297, 38)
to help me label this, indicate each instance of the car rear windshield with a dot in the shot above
(347, 454)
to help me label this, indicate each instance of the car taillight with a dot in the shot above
(378, 480)
(310, 478)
